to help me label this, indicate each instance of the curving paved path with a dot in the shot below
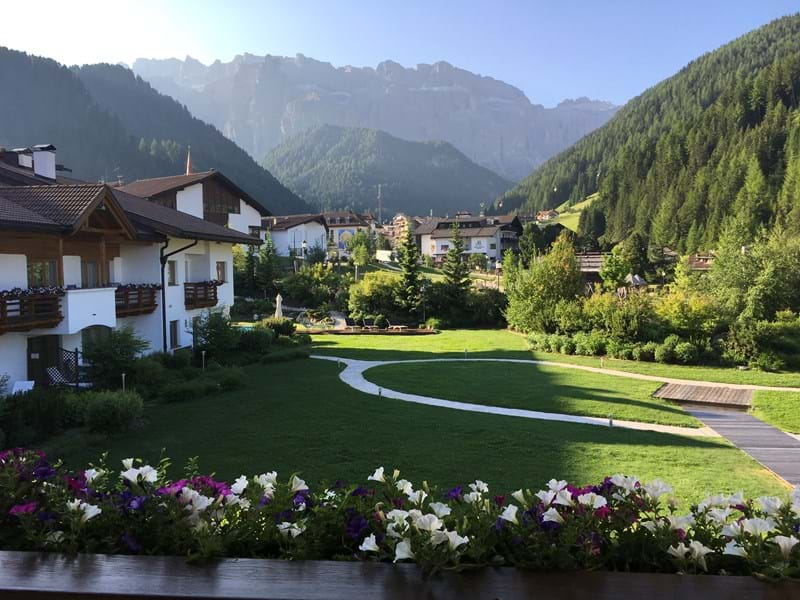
(353, 375)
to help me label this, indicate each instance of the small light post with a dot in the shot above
(305, 249)
(203, 359)
(123, 382)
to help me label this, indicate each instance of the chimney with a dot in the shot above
(24, 157)
(44, 160)
(189, 161)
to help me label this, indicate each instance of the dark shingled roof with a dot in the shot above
(284, 223)
(149, 188)
(62, 204)
(14, 175)
(12, 214)
(166, 221)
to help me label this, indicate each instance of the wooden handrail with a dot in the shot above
(200, 295)
(28, 575)
(25, 313)
(135, 300)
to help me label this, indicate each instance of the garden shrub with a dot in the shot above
(75, 409)
(381, 322)
(569, 316)
(232, 379)
(433, 323)
(664, 353)
(303, 339)
(214, 334)
(686, 353)
(567, 346)
(644, 352)
(111, 355)
(280, 325)
(767, 361)
(148, 375)
(256, 340)
(33, 415)
(110, 412)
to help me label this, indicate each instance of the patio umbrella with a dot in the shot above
(278, 306)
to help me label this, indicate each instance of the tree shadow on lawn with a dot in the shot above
(537, 388)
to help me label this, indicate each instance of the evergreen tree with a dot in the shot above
(531, 243)
(266, 271)
(409, 294)
(456, 270)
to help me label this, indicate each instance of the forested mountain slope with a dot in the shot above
(719, 138)
(341, 167)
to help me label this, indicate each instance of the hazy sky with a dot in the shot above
(605, 49)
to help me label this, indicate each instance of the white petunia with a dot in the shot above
(758, 526)
(546, 496)
(697, 552)
(734, 549)
(268, 480)
(785, 544)
(145, 473)
(404, 486)
(402, 550)
(127, 463)
(556, 485)
(551, 515)
(479, 486)
(592, 499)
(397, 515)
(290, 529)
(428, 523)
(417, 497)
(440, 509)
(297, 484)
(54, 537)
(92, 474)
(89, 511)
(720, 515)
(625, 482)
(74, 505)
(682, 522)
(651, 526)
(369, 544)
(239, 485)
(377, 476)
(393, 527)
(679, 551)
(564, 498)
(519, 496)
(769, 504)
(451, 537)
(510, 514)
(472, 497)
(657, 488)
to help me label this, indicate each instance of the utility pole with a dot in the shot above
(380, 206)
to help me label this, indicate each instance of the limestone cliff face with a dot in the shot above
(260, 101)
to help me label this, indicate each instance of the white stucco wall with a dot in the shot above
(190, 200)
(248, 217)
(83, 308)
(313, 233)
(139, 264)
(13, 271)
(14, 357)
(72, 270)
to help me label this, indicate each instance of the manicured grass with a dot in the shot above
(501, 343)
(534, 387)
(781, 409)
(298, 416)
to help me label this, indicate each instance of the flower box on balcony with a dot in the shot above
(28, 309)
(201, 294)
(136, 299)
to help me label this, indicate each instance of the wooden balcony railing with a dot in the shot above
(200, 295)
(25, 313)
(132, 301)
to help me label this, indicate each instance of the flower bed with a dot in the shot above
(618, 525)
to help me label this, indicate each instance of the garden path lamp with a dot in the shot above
(203, 358)
(305, 248)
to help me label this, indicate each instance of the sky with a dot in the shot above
(605, 49)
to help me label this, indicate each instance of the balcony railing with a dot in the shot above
(25, 313)
(200, 295)
(131, 301)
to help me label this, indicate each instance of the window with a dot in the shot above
(172, 272)
(42, 273)
(492, 246)
(222, 269)
(174, 341)
(89, 274)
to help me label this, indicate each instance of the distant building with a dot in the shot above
(701, 262)
(343, 226)
(490, 236)
(292, 234)
(590, 264)
(546, 215)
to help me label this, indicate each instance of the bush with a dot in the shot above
(567, 346)
(256, 340)
(767, 361)
(148, 375)
(214, 333)
(433, 323)
(232, 379)
(664, 353)
(381, 322)
(303, 339)
(686, 353)
(75, 409)
(32, 416)
(644, 352)
(110, 412)
(279, 325)
(590, 344)
(111, 355)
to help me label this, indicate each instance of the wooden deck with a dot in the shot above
(28, 575)
(777, 451)
(706, 394)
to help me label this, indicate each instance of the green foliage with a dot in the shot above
(455, 270)
(32, 416)
(110, 412)
(316, 255)
(232, 379)
(279, 325)
(477, 262)
(720, 137)
(314, 286)
(258, 339)
(340, 168)
(409, 293)
(214, 334)
(185, 391)
(375, 294)
(535, 292)
(266, 267)
(615, 269)
(111, 355)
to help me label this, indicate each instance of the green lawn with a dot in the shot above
(298, 416)
(501, 343)
(781, 409)
(534, 387)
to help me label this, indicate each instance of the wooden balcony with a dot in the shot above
(132, 301)
(26, 313)
(199, 295)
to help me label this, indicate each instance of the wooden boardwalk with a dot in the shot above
(777, 451)
(705, 394)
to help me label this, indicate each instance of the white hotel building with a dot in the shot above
(78, 258)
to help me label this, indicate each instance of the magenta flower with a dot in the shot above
(23, 509)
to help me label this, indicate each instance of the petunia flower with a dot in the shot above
(546, 496)
(697, 553)
(720, 515)
(479, 486)
(758, 526)
(127, 463)
(369, 544)
(404, 486)
(239, 485)
(592, 499)
(734, 549)
(564, 498)
(377, 476)
(402, 550)
(510, 514)
(656, 488)
(88, 511)
(268, 481)
(451, 537)
(440, 509)
(417, 497)
(23, 509)
(92, 474)
(769, 504)
(556, 485)
(519, 496)
(551, 515)
(290, 529)
(297, 484)
(785, 544)
(429, 523)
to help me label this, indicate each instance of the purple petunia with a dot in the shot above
(454, 494)
(131, 543)
(23, 509)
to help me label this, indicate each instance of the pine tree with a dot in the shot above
(456, 271)
(266, 269)
(409, 293)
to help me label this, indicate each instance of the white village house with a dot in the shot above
(490, 236)
(78, 258)
(292, 234)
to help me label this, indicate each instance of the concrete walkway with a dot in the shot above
(777, 451)
(353, 375)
